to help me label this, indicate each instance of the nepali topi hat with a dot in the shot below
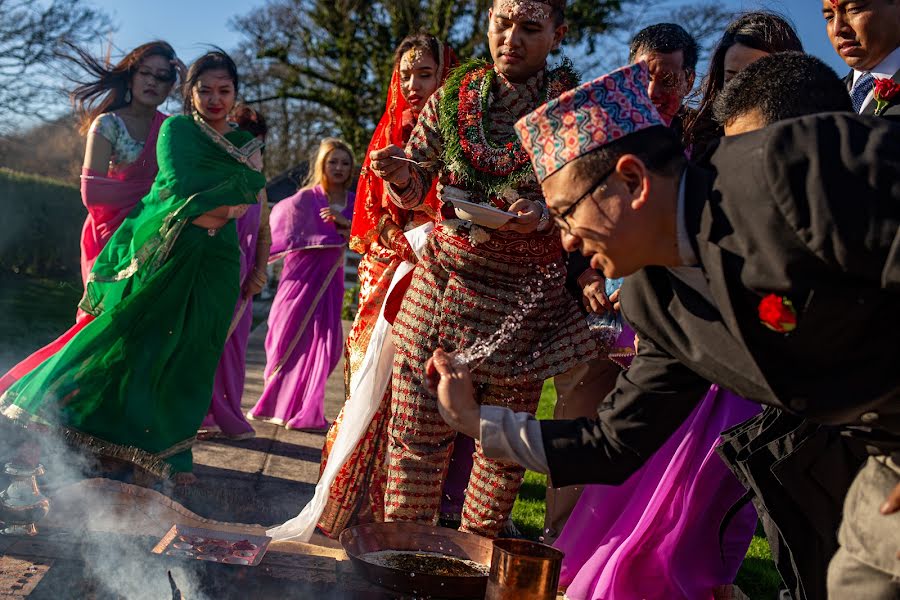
(587, 118)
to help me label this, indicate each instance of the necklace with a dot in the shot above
(468, 151)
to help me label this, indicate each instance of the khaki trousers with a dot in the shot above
(579, 392)
(866, 566)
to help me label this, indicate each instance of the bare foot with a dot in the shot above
(184, 479)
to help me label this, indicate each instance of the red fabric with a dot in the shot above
(394, 128)
(395, 299)
(29, 364)
(109, 197)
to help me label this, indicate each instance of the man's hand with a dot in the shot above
(593, 292)
(452, 383)
(529, 216)
(614, 298)
(385, 165)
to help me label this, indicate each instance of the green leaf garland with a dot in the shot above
(494, 175)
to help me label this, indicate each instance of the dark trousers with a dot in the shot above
(797, 474)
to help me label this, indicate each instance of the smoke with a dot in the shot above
(113, 525)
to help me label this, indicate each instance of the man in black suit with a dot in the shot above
(866, 35)
(799, 220)
(671, 55)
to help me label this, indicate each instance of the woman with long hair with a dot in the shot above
(352, 471)
(225, 417)
(135, 382)
(118, 111)
(748, 38)
(421, 63)
(303, 346)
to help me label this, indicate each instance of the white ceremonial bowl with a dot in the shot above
(480, 214)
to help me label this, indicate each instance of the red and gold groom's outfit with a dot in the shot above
(471, 282)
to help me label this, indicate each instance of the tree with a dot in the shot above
(705, 20)
(31, 32)
(335, 56)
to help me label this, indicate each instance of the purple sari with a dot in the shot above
(656, 536)
(225, 414)
(305, 338)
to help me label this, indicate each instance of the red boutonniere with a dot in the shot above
(778, 314)
(886, 90)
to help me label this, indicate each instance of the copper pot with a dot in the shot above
(522, 569)
(374, 537)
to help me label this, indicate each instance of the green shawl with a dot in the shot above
(199, 170)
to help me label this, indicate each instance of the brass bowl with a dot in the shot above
(399, 536)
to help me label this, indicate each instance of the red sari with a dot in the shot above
(357, 494)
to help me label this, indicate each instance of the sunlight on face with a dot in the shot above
(214, 95)
(337, 167)
(521, 35)
(418, 77)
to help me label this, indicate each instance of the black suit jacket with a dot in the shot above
(808, 209)
(891, 112)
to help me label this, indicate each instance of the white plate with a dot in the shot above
(480, 214)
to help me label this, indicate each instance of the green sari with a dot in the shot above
(136, 382)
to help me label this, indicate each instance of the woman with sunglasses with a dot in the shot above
(118, 110)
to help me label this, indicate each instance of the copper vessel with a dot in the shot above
(399, 536)
(522, 569)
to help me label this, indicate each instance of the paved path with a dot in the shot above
(269, 478)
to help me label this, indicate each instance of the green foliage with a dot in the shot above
(338, 55)
(42, 225)
(351, 303)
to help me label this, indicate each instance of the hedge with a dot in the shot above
(42, 225)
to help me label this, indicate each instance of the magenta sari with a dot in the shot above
(225, 414)
(108, 199)
(305, 338)
(656, 536)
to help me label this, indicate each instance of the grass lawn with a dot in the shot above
(35, 312)
(757, 577)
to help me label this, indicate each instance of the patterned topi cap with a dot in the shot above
(587, 118)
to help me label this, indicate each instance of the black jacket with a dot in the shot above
(808, 209)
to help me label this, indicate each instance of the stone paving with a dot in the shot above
(269, 478)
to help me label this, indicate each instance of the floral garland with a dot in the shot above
(468, 153)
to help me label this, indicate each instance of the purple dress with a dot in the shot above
(656, 536)
(225, 412)
(305, 339)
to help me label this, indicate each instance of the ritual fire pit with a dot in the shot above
(213, 546)
(418, 559)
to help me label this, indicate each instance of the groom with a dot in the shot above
(796, 303)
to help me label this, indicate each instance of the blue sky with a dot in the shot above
(188, 24)
(191, 25)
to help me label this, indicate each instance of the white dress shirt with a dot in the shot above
(516, 437)
(886, 69)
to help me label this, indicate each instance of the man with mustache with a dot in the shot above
(474, 277)
(866, 35)
(775, 276)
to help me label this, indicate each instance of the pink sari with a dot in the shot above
(108, 199)
(305, 338)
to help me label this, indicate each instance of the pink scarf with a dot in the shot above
(110, 197)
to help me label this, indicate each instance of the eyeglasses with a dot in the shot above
(167, 77)
(561, 219)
